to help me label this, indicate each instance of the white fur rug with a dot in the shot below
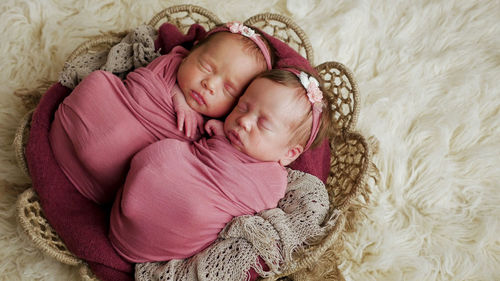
(428, 75)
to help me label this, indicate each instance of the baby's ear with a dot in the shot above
(293, 153)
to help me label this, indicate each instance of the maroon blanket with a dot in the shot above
(82, 224)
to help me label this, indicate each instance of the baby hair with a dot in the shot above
(248, 45)
(302, 127)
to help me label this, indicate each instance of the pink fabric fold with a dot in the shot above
(178, 196)
(81, 224)
(104, 122)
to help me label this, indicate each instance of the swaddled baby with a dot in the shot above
(179, 195)
(104, 121)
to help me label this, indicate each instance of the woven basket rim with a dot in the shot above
(356, 103)
(41, 244)
(290, 24)
(312, 254)
(182, 8)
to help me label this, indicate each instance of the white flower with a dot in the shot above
(247, 31)
(236, 27)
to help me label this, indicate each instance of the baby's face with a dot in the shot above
(260, 124)
(213, 76)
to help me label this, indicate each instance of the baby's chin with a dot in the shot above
(195, 106)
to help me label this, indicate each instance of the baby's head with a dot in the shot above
(276, 119)
(219, 68)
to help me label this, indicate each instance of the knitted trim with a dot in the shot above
(99, 42)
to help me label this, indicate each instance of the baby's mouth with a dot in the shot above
(197, 97)
(234, 137)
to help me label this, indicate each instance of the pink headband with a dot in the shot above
(315, 96)
(238, 28)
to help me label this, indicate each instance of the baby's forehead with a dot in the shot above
(275, 95)
(237, 66)
(247, 47)
(221, 39)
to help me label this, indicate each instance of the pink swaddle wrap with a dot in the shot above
(104, 122)
(179, 195)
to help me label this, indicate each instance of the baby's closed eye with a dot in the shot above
(242, 107)
(265, 124)
(205, 66)
(230, 90)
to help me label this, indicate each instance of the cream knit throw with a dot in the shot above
(274, 235)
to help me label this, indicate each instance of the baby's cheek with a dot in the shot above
(255, 142)
(226, 107)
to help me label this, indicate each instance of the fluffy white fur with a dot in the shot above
(428, 76)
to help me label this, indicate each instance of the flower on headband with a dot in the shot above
(311, 85)
(236, 27)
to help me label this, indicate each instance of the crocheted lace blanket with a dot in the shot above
(274, 235)
(136, 49)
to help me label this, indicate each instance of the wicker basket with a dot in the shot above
(350, 159)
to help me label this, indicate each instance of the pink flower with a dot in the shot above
(236, 27)
(314, 93)
(312, 87)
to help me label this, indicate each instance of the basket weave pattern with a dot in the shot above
(350, 157)
(31, 218)
(284, 29)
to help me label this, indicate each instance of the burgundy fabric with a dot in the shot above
(170, 36)
(82, 224)
(315, 161)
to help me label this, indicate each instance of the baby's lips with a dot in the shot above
(198, 97)
(234, 137)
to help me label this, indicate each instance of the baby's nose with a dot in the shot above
(211, 83)
(207, 84)
(245, 122)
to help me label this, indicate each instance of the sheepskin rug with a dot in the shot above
(428, 75)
